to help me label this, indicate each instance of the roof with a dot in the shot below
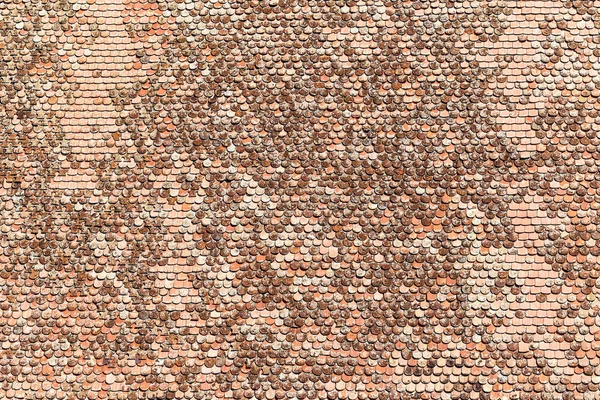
(299, 199)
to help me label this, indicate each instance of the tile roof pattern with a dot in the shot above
(299, 199)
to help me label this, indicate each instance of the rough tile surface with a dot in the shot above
(299, 199)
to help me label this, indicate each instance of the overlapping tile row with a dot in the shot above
(299, 199)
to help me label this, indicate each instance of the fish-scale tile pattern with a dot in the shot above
(299, 199)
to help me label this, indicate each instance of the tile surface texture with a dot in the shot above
(299, 199)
